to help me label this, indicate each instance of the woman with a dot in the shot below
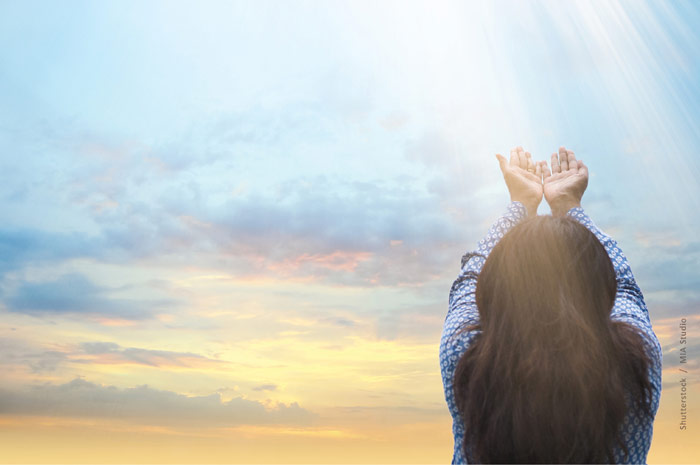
(547, 352)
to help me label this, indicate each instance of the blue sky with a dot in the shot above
(180, 179)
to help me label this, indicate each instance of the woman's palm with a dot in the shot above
(567, 182)
(523, 177)
(564, 183)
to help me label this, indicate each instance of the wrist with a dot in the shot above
(530, 207)
(561, 208)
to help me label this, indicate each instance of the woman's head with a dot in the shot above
(547, 272)
(545, 379)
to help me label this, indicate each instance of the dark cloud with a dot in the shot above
(346, 233)
(387, 416)
(351, 233)
(416, 323)
(336, 215)
(679, 356)
(662, 259)
(154, 358)
(400, 230)
(47, 358)
(80, 398)
(338, 321)
(21, 247)
(74, 294)
(672, 304)
(456, 166)
(47, 361)
(265, 387)
(146, 205)
(39, 359)
(92, 348)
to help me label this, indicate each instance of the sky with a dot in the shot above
(229, 229)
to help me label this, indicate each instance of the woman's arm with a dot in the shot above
(629, 301)
(523, 177)
(629, 306)
(462, 309)
(524, 180)
(462, 302)
(563, 188)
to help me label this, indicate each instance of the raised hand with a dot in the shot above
(523, 177)
(565, 184)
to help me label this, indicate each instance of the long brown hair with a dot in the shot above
(548, 373)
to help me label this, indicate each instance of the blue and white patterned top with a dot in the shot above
(629, 307)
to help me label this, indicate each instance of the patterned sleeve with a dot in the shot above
(629, 302)
(462, 301)
(462, 294)
(629, 306)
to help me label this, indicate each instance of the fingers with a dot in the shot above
(582, 169)
(556, 168)
(501, 161)
(563, 159)
(523, 158)
(514, 157)
(530, 163)
(545, 171)
(573, 164)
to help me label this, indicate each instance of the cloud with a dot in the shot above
(387, 416)
(459, 166)
(93, 348)
(666, 266)
(80, 398)
(47, 358)
(338, 321)
(395, 230)
(338, 231)
(265, 387)
(21, 247)
(672, 303)
(17, 352)
(74, 294)
(679, 356)
(671, 266)
(323, 228)
(113, 353)
(173, 203)
(415, 323)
